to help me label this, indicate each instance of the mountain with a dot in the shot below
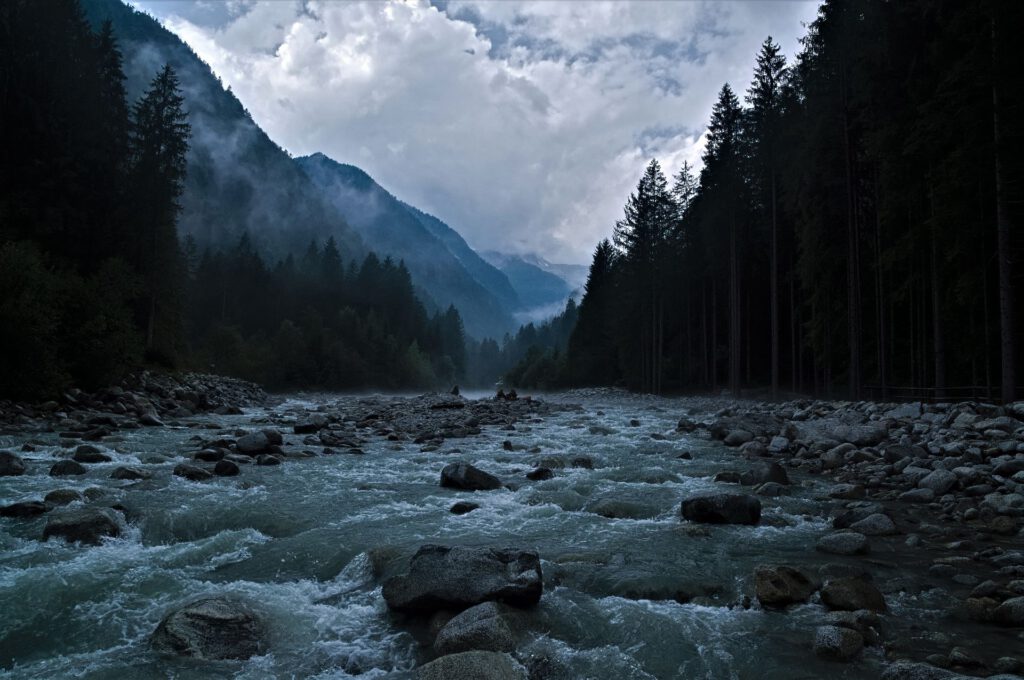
(542, 293)
(489, 276)
(573, 274)
(238, 180)
(438, 259)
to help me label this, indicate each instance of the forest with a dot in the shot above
(95, 281)
(853, 231)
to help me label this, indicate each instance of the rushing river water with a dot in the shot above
(301, 541)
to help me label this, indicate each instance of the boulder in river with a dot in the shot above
(130, 472)
(84, 525)
(24, 509)
(192, 473)
(875, 524)
(487, 626)
(212, 628)
(63, 496)
(254, 442)
(843, 543)
(442, 577)
(906, 670)
(476, 665)
(225, 468)
(87, 453)
(540, 474)
(761, 473)
(1010, 612)
(781, 586)
(725, 508)
(462, 507)
(63, 468)
(851, 593)
(11, 464)
(468, 478)
(837, 642)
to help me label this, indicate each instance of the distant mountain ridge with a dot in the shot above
(437, 257)
(238, 179)
(240, 182)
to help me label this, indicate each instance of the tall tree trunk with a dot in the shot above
(734, 309)
(938, 338)
(880, 294)
(775, 294)
(792, 335)
(852, 265)
(714, 336)
(1003, 231)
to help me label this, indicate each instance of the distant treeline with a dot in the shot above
(855, 225)
(94, 281)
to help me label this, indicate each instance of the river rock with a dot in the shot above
(905, 670)
(24, 509)
(63, 497)
(843, 543)
(851, 593)
(540, 474)
(11, 464)
(1010, 612)
(442, 577)
(763, 472)
(836, 642)
(133, 473)
(150, 419)
(616, 508)
(486, 627)
(252, 443)
(87, 453)
(267, 459)
(723, 508)
(64, 468)
(468, 478)
(225, 468)
(781, 586)
(192, 473)
(939, 481)
(212, 628)
(84, 525)
(462, 507)
(738, 437)
(477, 665)
(876, 524)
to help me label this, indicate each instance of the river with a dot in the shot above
(648, 596)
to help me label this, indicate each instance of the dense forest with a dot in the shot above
(853, 231)
(94, 279)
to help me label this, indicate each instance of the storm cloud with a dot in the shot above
(522, 125)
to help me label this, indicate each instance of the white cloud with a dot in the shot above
(523, 125)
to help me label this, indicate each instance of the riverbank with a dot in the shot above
(619, 535)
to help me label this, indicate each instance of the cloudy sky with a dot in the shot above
(524, 125)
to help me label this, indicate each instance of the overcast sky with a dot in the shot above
(523, 125)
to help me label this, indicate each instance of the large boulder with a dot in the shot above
(851, 593)
(131, 473)
(836, 642)
(725, 508)
(87, 453)
(939, 481)
(212, 628)
(486, 626)
(442, 577)
(475, 665)
(762, 473)
(468, 478)
(11, 464)
(1010, 612)
(843, 543)
(191, 472)
(63, 468)
(781, 586)
(253, 443)
(875, 524)
(906, 670)
(83, 525)
(24, 509)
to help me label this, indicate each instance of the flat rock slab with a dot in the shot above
(442, 577)
(723, 508)
(486, 627)
(85, 525)
(212, 628)
(468, 478)
(473, 666)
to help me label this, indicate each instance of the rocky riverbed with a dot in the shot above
(194, 527)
